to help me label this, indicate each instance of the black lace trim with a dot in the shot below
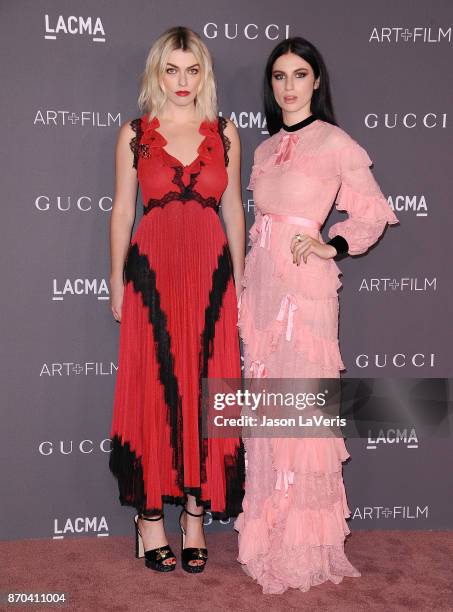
(186, 194)
(123, 463)
(226, 141)
(177, 178)
(136, 125)
(127, 468)
(143, 277)
(235, 478)
(234, 467)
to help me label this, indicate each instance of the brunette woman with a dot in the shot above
(293, 526)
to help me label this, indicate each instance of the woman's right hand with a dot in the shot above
(116, 297)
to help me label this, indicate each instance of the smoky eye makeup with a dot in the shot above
(171, 69)
(301, 73)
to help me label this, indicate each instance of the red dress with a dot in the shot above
(178, 326)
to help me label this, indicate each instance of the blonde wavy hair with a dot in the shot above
(152, 95)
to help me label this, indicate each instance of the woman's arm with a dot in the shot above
(123, 215)
(361, 197)
(232, 208)
(368, 211)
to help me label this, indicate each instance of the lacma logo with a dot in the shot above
(74, 526)
(80, 286)
(83, 26)
(393, 437)
(405, 203)
(249, 119)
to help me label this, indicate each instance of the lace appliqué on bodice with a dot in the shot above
(187, 192)
(226, 141)
(136, 125)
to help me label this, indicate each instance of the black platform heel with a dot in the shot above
(154, 558)
(192, 554)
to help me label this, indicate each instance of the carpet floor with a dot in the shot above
(401, 570)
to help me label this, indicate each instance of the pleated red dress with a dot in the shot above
(178, 326)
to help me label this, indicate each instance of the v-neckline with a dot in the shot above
(165, 142)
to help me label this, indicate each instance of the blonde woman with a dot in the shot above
(174, 288)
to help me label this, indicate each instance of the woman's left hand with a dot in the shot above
(302, 247)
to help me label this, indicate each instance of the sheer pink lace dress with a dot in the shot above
(292, 528)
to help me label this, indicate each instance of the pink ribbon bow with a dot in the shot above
(285, 477)
(287, 308)
(286, 148)
(258, 369)
(266, 225)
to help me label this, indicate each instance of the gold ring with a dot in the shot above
(298, 237)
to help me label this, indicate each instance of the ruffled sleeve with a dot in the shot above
(360, 196)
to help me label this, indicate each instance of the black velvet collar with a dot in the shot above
(300, 125)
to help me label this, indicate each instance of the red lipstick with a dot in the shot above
(182, 93)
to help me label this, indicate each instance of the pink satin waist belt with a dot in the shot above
(269, 218)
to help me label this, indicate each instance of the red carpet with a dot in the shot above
(400, 571)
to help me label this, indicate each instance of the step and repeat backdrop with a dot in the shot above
(70, 75)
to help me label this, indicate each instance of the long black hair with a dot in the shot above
(321, 101)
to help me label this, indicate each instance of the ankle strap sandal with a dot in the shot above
(154, 558)
(192, 553)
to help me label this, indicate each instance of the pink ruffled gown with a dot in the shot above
(292, 528)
